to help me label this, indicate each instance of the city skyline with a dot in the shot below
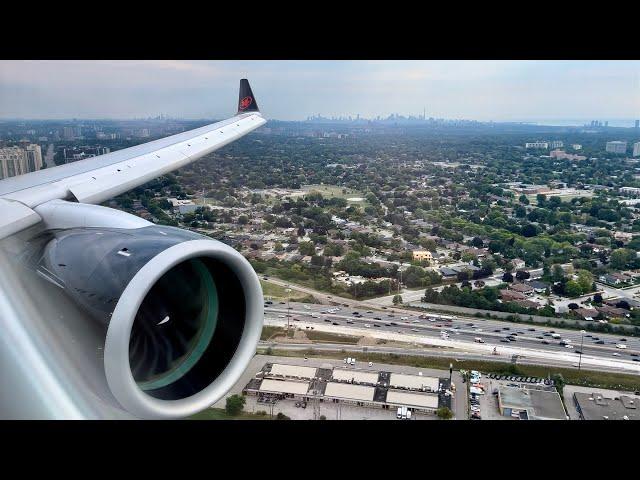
(525, 91)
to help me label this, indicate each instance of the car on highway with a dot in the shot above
(394, 324)
(568, 346)
(497, 330)
(545, 342)
(376, 325)
(335, 323)
(615, 354)
(387, 324)
(367, 325)
(506, 328)
(350, 322)
(504, 340)
(531, 329)
(579, 352)
(377, 318)
(600, 342)
(621, 346)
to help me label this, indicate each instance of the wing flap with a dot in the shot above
(14, 217)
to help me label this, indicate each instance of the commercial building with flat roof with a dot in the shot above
(530, 403)
(414, 382)
(349, 392)
(595, 406)
(293, 371)
(422, 401)
(355, 376)
(284, 386)
(366, 388)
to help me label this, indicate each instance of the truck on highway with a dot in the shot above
(555, 335)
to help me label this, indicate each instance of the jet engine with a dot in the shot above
(180, 314)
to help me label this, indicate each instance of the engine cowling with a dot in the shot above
(182, 313)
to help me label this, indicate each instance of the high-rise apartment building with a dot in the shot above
(537, 145)
(20, 160)
(636, 149)
(616, 146)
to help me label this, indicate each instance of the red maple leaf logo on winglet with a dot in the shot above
(245, 102)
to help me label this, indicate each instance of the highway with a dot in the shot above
(462, 332)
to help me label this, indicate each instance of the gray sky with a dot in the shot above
(293, 90)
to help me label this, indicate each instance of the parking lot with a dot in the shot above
(331, 411)
(486, 405)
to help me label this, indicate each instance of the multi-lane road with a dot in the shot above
(461, 332)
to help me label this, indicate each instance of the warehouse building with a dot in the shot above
(355, 376)
(530, 403)
(356, 387)
(414, 382)
(595, 406)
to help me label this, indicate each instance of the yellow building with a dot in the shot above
(421, 255)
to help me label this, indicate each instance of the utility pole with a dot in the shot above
(288, 290)
(581, 343)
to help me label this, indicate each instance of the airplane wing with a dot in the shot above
(100, 178)
(106, 315)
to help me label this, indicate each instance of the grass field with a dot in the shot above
(588, 378)
(330, 191)
(279, 293)
(269, 331)
(221, 414)
(318, 336)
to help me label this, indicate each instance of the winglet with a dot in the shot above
(246, 102)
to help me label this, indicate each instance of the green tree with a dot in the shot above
(397, 299)
(444, 413)
(573, 288)
(307, 248)
(585, 280)
(621, 257)
(234, 405)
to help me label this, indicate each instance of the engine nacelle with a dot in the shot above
(182, 313)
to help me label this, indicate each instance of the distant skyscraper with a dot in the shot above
(537, 145)
(67, 133)
(617, 146)
(34, 157)
(18, 161)
(636, 149)
(606, 123)
(637, 123)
